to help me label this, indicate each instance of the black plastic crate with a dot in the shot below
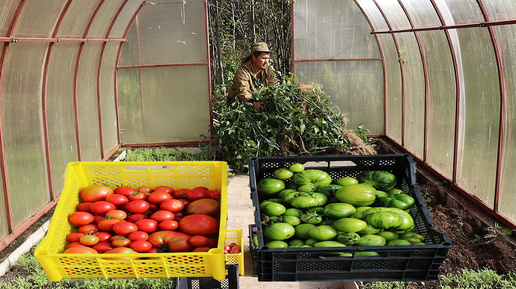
(230, 282)
(395, 263)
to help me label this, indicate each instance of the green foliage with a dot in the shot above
(32, 276)
(168, 154)
(295, 119)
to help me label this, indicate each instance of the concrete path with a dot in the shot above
(240, 215)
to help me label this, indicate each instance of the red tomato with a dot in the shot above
(97, 218)
(121, 242)
(153, 207)
(201, 249)
(199, 224)
(173, 205)
(147, 225)
(137, 206)
(157, 197)
(84, 207)
(89, 240)
(95, 193)
(145, 190)
(125, 191)
(175, 241)
(185, 201)
(167, 189)
(135, 217)
(137, 196)
(197, 193)
(169, 225)
(80, 250)
(138, 236)
(181, 193)
(116, 214)
(102, 207)
(124, 228)
(88, 229)
(153, 250)
(80, 218)
(140, 246)
(117, 199)
(107, 224)
(76, 244)
(103, 246)
(120, 250)
(198, 241)
(163, 215)
(205, 206)
(103, 236)
(74, 237)
(214, 194)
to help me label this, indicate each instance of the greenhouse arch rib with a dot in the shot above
(9, 40)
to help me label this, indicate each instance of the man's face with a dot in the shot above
(261, 61)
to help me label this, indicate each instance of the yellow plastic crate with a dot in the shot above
(79, 175)
(235, 236)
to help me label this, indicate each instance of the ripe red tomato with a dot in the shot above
(80, 250)
(167, 189)
(169, 225)
(95, 193)
(124, 228)
(145, 190)
(173, 205)
(88, 229)
(147, 225)
(76, 244)
(162, 215)
(125, 191)
(101, 207)
(120, 250)
(117, 199)
(103, 246)
(198, 241)
(89, 240)
(83, 207)
(214, 194)
(199, 224)
(103, 236)
(106, 225)
(138, 236)
(175, 241)
(205, 206)
(157, 197)
(121, 242)
(116, 214)
(74, 237)
(181, 193)
(201, 249)
(137, 196)
(137, 206)
(135, 217)
(197, 193)
(140, 246)
(80, 218)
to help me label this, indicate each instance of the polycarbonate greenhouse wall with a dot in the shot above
(79, 79)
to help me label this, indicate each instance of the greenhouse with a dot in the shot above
(82, 80)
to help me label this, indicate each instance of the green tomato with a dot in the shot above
(307, 188)
(310, 242)
(338, 210)
(380, 180)
(306, 200)
(371, 240)
(349, 225)
(367, 254)
(293, 220)
(323, 233)
(389, 235)
(285, 192)
(276, 244)
(412, 237)
(369, 230)
(311, 218)
(297, 167)
(273, 209)
(344, 181)
(318, 178)
(270, 187)
(400, 201)
(279, 231)
(329, 244)
(293, 212)
(296, 242)
(348, 238)
(283, 173)
(398, 242)
(359, 195)
(301, 231)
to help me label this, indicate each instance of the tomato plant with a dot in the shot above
(199, 224)
(95, 193)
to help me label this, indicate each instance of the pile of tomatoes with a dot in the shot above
(144, 220)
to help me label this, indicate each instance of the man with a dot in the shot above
(254, 73)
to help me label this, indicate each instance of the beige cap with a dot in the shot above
(260, 47)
